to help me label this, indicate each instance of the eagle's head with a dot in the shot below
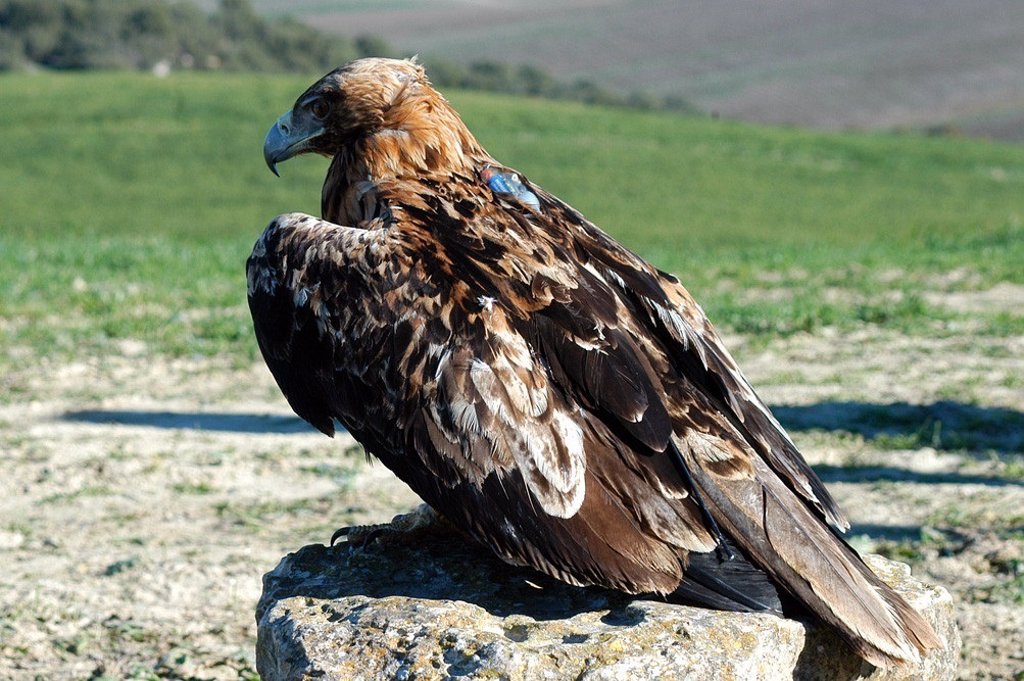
(363, 99)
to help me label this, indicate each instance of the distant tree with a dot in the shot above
(444, 73)
(535, 81)
(12, 51)
(591, 93)
(197, 39)
(678, 103)
(489, 75)
(641, 100)
(18, 15)
(373, 46)
(150, 19)
(90, 37)
(239, 20)
(34, 27)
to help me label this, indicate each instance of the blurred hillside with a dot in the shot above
(230, 35)
(818, 63)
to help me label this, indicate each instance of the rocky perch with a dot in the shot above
(445, 609)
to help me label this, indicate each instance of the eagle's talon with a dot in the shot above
(362, 535)
(340, 532)
(373, 535)
(422, 520)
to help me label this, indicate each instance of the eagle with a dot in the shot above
(544, 389)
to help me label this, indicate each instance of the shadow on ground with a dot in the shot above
(896, 533)
(209, 421)
(829, 474)
(944, 425)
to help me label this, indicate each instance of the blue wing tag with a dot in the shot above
(509, 183)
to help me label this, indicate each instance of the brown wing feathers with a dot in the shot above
(776, 529)
(544, 388)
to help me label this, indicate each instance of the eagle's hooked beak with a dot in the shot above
(289, 136)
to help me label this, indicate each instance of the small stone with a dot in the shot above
(10, 540)
(445, 608)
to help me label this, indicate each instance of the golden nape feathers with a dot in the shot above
(549, 392)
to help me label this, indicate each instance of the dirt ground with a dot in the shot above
(141, 500)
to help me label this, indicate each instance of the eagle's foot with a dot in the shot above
(424, 520)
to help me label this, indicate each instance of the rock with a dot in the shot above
(445, 608)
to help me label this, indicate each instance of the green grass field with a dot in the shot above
(129, 205)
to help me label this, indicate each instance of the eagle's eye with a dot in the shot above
(320, 108)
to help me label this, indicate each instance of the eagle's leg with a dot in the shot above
(423, 520)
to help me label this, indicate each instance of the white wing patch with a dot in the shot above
(486, 303)
(507, 404)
